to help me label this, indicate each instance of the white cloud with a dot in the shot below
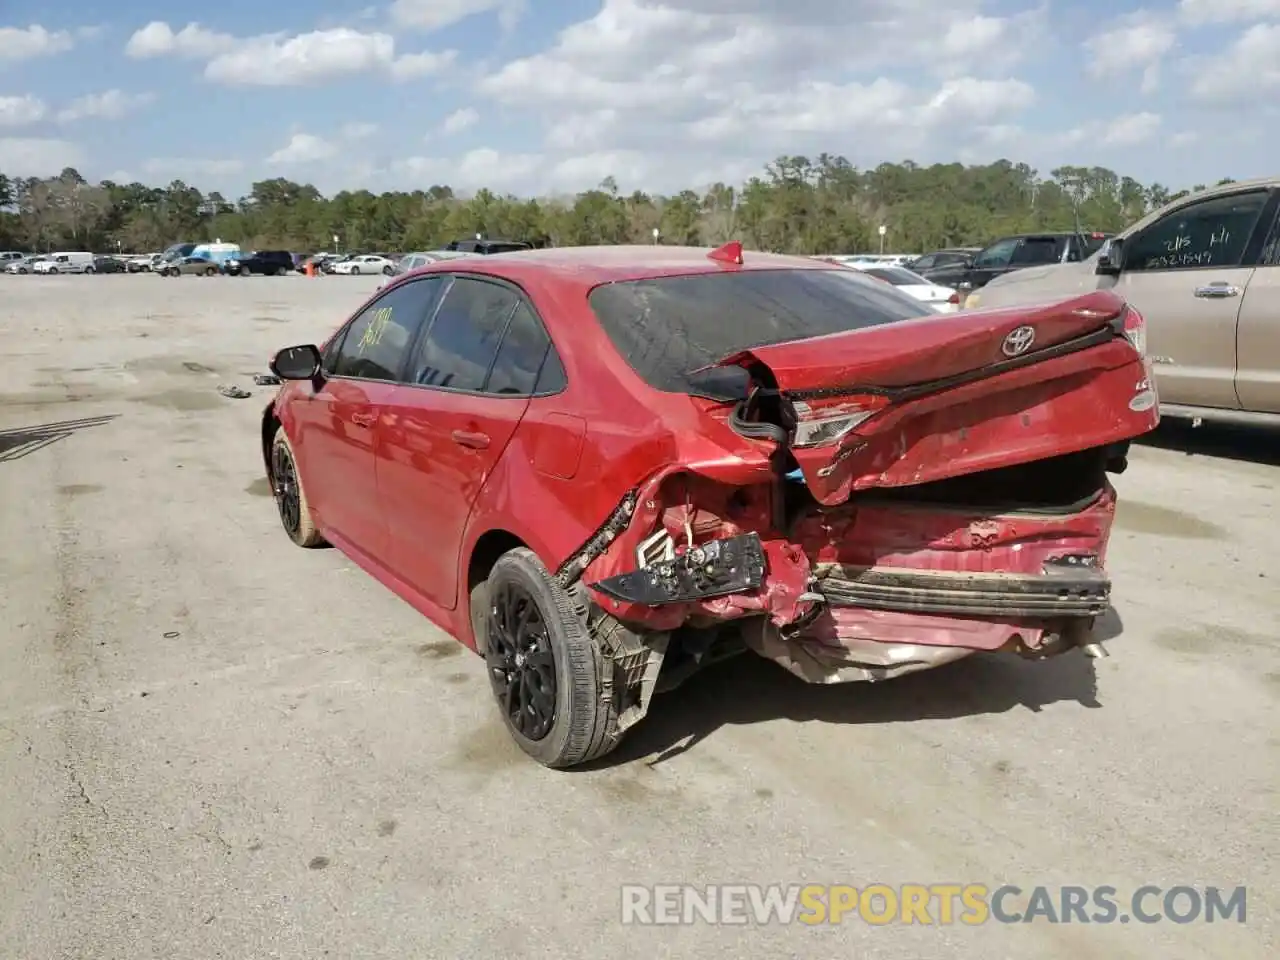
(269, 61)
(303, 148)
(27, 43)
(1138, 42)
(158, 39)
(37, 157)
(1199, 12)
(283, 60)
(1247, 70)
(431, 15)
(411, 66)
(459, 120)
(484, 167)
(730, 82)
(108, 105)
(21, 111)
(1131, 129)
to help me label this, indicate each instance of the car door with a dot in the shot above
(990, 262)
(469, 384)
(1258, 330)
(1187, 273)
(336, 425)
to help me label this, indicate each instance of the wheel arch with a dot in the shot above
(270, 424)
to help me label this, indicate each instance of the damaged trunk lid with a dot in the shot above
(940, 396)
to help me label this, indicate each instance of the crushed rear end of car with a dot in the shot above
(892, 498)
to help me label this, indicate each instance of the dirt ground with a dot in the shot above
(213, 744)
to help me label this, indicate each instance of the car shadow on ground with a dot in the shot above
(1251, 444)
(749, 689)
(19, 442)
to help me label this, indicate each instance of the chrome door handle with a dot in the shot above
(1216, 291)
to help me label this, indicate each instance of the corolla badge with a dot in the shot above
(1018, 341)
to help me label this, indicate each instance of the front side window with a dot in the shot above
(668, 327)
(996, 255)
(1210, 233)
(462, 342)
(376, 341)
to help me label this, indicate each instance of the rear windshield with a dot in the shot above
(668, 327)
(1038, 250)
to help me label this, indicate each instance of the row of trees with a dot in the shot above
(797, 205)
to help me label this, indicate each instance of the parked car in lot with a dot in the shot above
(569, 460)
(65, 262)
(411, 261)
(25, 265)
(143, 263)
(1017, 253)
(939, 298)
(1205, 269)
(267, 263)
(190, 266)
(487, 247)
(108, 265)
(365, 263)
(952, 258)
(10, 256)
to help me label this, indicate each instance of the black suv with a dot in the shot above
(488, 246)
(1016, 253)
(268, 263)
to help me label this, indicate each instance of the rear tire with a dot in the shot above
(545, 667)
(88, 270)
(291, 498)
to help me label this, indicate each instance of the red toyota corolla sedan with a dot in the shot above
(603, 468)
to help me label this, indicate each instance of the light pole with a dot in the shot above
(883, 230)
(656, 234)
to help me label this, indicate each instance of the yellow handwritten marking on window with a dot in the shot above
(377, 324)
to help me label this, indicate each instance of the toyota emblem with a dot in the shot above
(1018, 341)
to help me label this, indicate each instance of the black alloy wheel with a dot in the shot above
(287, 494)
(522, 666)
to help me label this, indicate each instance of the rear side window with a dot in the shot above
(524, 347)
(462, 342)
(667, 327)
(1037, 250)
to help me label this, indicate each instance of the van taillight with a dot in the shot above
(954, 298)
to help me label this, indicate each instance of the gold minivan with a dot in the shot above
(1205, 272)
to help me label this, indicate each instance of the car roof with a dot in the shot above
(591, 266)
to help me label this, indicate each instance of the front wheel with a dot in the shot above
(53, 270)
(355, 271)
(291, 498)
(387, 270)
(88, 269)
(211, 272)
(545, 667)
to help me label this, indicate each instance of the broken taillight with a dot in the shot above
(1135, 330)
(828, 422)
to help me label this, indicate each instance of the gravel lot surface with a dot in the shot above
(214, 744)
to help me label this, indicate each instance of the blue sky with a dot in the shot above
(550, 96)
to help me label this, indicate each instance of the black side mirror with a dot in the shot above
(296, 363)
(1110, 258)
